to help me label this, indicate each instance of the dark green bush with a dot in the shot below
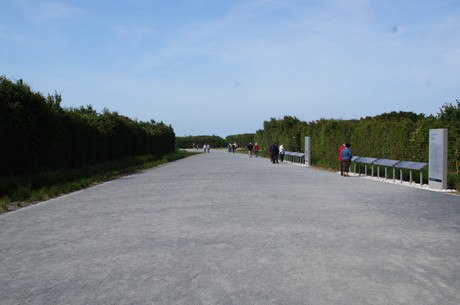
(37, 135)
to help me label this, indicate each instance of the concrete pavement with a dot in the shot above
(224, 228)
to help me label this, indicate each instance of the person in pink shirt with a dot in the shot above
(340, 158)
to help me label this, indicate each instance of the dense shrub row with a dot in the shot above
(396, 135)
(241, 140)
(37, 134)
(199, 141)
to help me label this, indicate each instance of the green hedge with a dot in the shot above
(37, 135)
(395, 135)
(199, 141)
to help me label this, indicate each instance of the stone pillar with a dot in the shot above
(307, 151)
(437, 164)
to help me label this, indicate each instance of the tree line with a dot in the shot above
(189, 141)
(214, 141)
(241, 140)
(37, 134)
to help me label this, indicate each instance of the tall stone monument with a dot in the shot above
(307, 151)
(437, 164)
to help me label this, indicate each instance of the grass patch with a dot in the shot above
(16, 192)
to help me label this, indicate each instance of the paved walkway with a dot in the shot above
(222, 228)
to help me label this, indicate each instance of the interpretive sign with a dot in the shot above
(295, 157)
(437, 169)
(411, 165)
(365, 160)
(298, 154)
(386, 162)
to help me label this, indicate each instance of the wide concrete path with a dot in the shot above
(222, 228)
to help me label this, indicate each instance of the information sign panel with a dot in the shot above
(365, 160)
(386, 162)
(411, 165)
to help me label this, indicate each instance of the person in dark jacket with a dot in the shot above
(274, 153)
(250, 148)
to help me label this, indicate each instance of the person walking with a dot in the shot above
(250, 148)
(256, 150)
(346, 159)
(274, 150)
(340, 158)
(281, 149)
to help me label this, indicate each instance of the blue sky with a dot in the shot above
(223, 67)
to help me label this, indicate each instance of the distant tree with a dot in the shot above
(242, 140)
(188, 141)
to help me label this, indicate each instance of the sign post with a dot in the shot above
(307, 151)
(437, 168)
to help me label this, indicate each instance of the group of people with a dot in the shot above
(276, 152)
(345, 156)
(232, 147)
(253, 149)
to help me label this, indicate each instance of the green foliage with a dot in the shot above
(37, 135)
(288, 131)
(199, 141)
(241, 140)
(450, 118)
(395, 135)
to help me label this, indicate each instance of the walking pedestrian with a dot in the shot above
(274, 150)
(256, 150)
(281, 149)
(346, 159)
(250, 148)
(340, 158)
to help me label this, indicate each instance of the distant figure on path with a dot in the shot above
(208, 148)
(250, 148)
(256, 150)
(340, 158)
(281, 149)
(346, 158)
(204, 148)
(274, 153)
